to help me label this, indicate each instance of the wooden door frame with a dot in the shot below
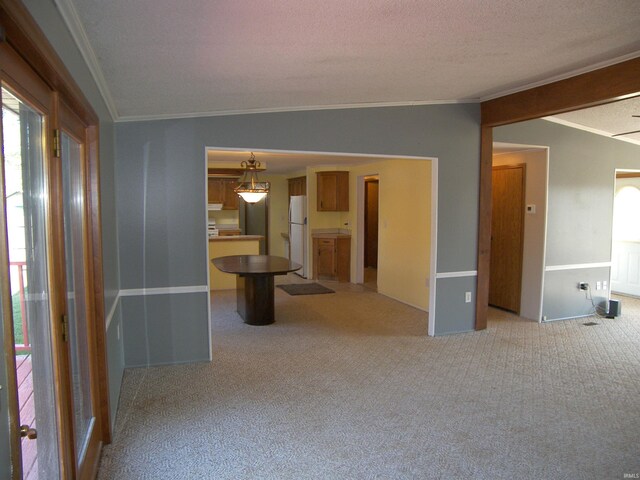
(20, 31)
(598, 87)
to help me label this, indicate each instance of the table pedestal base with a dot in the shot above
(255, 299)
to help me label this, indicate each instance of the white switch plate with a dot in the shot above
(467, 297)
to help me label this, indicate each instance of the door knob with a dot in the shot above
(27, 431)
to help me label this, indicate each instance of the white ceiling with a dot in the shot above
(162, 58)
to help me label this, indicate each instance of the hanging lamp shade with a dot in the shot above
(250, 188)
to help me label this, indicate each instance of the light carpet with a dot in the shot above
(348, 386)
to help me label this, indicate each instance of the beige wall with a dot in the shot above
(404, 236)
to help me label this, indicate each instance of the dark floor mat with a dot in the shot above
(305, 288)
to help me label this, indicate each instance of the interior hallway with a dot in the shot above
(348, 385)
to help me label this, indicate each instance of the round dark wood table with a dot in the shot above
(255, 283)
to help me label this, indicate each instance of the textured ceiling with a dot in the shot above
(162, 58)
(612, 118)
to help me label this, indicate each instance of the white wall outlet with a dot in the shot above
(604, 285)
(598, 286)
(467, 297)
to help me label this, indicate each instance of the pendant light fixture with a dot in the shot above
(249, 187)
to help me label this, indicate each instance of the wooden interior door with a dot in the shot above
(371, 223)
(507, 237)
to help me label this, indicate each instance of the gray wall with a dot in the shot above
(161, 196)
(50, 21)
(580, 208)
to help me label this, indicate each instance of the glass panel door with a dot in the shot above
(79, 340)
(26, 209)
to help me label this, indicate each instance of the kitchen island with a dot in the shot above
(223, 246)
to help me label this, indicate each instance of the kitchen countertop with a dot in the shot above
(330, 233)
(236, 238)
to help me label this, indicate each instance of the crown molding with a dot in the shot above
(251, 111)
(79, 34)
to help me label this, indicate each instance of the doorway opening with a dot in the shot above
(625, 245)
(371, 199)
(519, 218)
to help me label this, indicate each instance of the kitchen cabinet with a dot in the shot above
(230, 201)
(332, 257)
(297, 186)
(220, 190)
(333, 191)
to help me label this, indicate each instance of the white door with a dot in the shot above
(625, 256)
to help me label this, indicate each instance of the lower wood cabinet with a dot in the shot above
(332, 257)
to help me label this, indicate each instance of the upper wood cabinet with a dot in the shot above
(297, 186)
(231, 198)
(220, 190)
(333, 191)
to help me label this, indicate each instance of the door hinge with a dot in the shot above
(65, 328)
(56, 143)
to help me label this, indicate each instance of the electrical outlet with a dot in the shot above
(604, 285)
(598, 286)
(467, 297)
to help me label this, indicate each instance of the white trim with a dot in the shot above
(307, 108)
(468, 273)
(567, 318)
(134, 292)
(433, 259)
(576, 266)
(372, 156)
(360, 210)
(206, 222)
(564, 76)
(112, 310)
(79, 34)
(595, 131)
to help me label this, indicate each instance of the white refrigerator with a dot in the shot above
(298, 232)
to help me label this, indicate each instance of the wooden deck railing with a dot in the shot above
(25, 345)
